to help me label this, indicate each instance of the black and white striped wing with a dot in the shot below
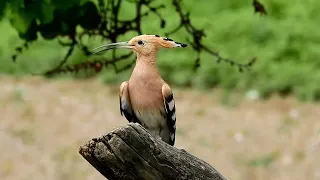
(170, 109)
(125, 105)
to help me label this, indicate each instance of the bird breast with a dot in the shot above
(147, 104)
(146, 94)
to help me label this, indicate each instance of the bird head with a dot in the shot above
(143, 45)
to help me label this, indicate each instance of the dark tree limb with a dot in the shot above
(131, 152)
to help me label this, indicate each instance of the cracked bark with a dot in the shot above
(130, 152)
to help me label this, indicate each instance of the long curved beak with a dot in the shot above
(111, 46)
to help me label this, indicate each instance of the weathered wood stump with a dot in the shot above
(130, 152)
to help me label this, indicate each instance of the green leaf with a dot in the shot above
(46, 13)
(89, 15)
(81, 2)
(42, 10)
(3, 4)
(31, 33)
(14, 5)
(21, 20)
(63, 4)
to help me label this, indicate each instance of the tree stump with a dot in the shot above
(131, 152)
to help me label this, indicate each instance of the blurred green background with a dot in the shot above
(44, 121)
(286, 43)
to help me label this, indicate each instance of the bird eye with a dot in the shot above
(140, 42)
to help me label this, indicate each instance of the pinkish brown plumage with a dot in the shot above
(146, 98)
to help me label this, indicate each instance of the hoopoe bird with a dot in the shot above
(146, 98)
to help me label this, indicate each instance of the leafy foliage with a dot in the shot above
(60, 18)
(286, 41)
